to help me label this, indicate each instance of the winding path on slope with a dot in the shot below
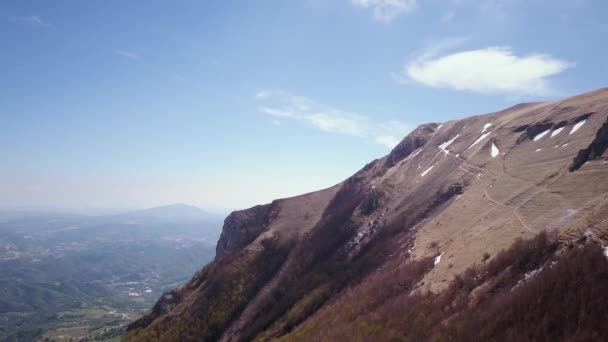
(465, 165)
(540, 188)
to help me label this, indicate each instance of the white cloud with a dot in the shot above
(338, 122)
(387, 140)
(261, 94)
(127, 54)
(387, 10)
(285, 106)
(492, 70)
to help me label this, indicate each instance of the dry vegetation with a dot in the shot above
(529, 292)
(218, 302)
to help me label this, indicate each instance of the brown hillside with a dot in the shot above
(447, 197)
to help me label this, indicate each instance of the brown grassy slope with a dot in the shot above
(526, 293)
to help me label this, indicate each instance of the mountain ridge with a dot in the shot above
(453, 192)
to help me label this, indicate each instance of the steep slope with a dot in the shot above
(456, 192)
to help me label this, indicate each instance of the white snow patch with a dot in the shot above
(134, 294)
(458, 197)
(495, 151)
(483, 136)
(427, 170)
(438, 127)
(438, 258)
(538, 150)
(412, 248)
(606, 252)
(416, 153)
(445, 145)
(148, 291)
(557, 131)
(564, 145)
(531, 274)
(541, 135)
(577, 126)
(556, 146)
(485, 127)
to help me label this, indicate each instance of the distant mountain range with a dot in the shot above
(170, 213)
(488, 228)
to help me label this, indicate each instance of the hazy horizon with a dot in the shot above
(226, 106)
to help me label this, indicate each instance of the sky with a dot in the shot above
(228, 104)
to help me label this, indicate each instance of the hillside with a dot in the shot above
(459, 215)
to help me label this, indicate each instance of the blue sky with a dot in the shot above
(227, 104)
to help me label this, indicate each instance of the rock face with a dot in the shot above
(456, 193)
(242, 227)
(594, 151)
(411, 143)
(162, 307)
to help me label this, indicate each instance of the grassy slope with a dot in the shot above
(564, 300)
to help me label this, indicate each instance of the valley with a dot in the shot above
(65, 277)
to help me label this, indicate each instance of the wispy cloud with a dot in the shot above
(32, 20)
(387, 10)
(126, 54)
(497, 12)
(490, 70)
(281, 105)
(447, 17)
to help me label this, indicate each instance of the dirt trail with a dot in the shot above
(465, 166)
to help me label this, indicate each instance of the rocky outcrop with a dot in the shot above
(595, 150)
(530, 131)
(163, 306)
(242, 227)
(413, 141)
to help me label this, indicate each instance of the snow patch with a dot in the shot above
(438, 127)
(438, 258)
(444, 146)
(564, 145)
(538, 150)
(531, 274)
(606, 252)
(485, 127)
(541, 135)
(495, 151)
(483, 136)
(577, 126)
(427, 170)
(416, 153)
(458, 197)
(557, 131)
